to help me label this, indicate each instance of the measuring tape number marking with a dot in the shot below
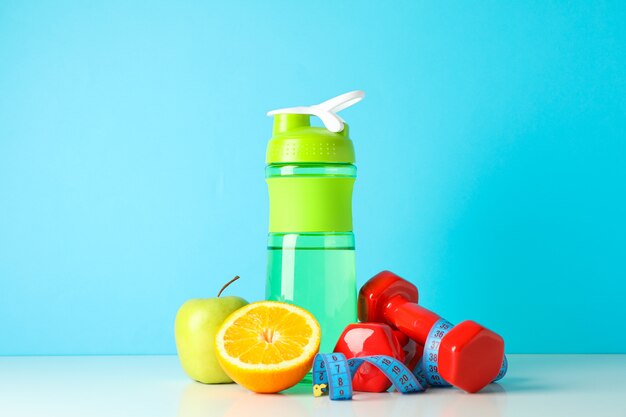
(333, 373)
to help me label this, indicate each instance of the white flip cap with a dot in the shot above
(327, 111)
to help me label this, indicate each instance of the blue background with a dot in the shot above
(490, 146)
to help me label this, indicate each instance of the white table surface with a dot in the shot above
(536, 385)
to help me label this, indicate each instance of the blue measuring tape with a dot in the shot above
(333, 373)
(428, 365)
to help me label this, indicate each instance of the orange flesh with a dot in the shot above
(267, 335)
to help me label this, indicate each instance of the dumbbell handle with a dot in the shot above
(411, 319)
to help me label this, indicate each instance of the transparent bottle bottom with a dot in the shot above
(315, 271)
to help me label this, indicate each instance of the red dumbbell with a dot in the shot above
(412, 350)
(365, 339)
(470, 355)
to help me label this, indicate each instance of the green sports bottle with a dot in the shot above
(310, 174)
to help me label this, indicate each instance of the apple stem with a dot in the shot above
(227, 284)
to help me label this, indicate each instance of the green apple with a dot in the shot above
(197, 322)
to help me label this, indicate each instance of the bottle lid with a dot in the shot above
(295, 140)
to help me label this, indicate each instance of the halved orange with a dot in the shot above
(268, 346)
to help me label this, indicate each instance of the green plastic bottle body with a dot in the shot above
(311, 259)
